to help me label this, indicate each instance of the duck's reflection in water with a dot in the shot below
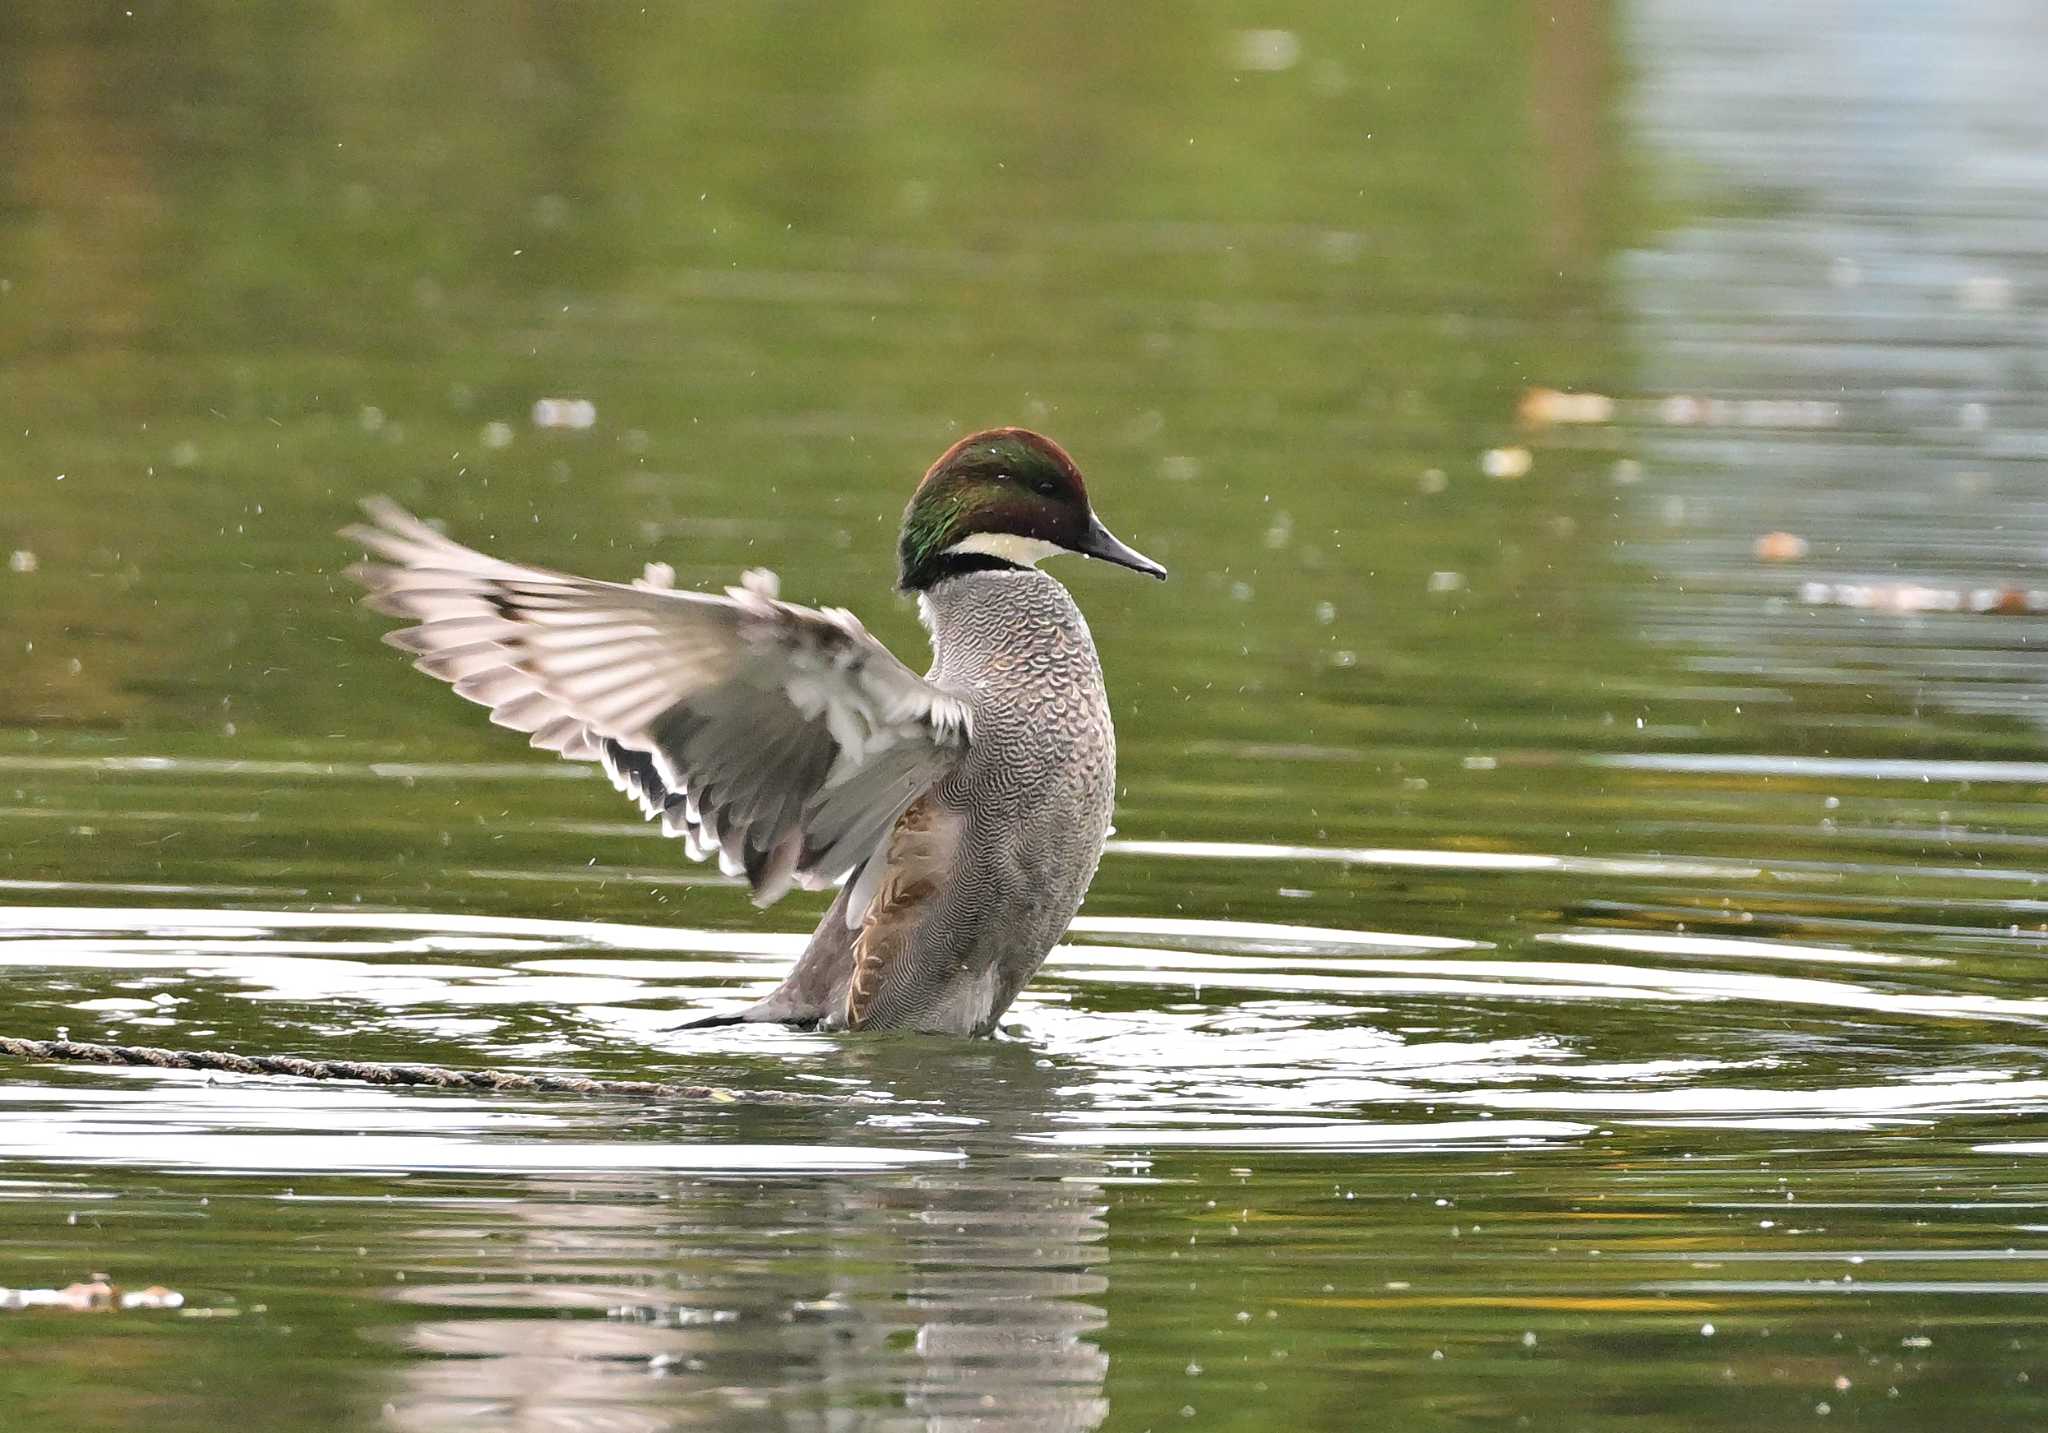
(1005, 1284)
(947, 1297)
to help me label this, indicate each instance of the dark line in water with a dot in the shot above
(367, 1072)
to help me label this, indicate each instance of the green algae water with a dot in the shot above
(1569, 954)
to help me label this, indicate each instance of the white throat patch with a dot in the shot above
(1024, 551)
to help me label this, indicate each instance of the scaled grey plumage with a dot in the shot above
(1017, 825)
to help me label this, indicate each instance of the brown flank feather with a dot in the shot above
(916, 860)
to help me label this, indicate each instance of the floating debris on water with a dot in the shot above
(1780, 547)
(1549, 407)
(497, 435)
(1681, 411)
(1907, 598)
(96, 1296)
(575, 414)
(1506, 463)
(1446, 582)
(23, 561)
(1554, 407)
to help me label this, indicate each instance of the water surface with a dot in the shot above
(1568, 955)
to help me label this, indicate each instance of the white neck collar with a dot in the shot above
(1007, 546)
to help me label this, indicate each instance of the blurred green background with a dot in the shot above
(261, 262)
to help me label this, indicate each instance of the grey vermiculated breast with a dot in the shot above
(1032, 801)
(1039, 781)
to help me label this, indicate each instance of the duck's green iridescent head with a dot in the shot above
(1006, 498)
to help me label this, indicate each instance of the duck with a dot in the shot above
(961, 814)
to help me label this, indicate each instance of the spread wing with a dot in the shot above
(783, 738)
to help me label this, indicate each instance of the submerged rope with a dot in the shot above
(366, 1072)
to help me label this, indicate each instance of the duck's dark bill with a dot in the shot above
(1103, 544)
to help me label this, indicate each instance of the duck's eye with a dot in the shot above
(1044, 487)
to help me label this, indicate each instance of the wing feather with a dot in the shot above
(785, 740)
